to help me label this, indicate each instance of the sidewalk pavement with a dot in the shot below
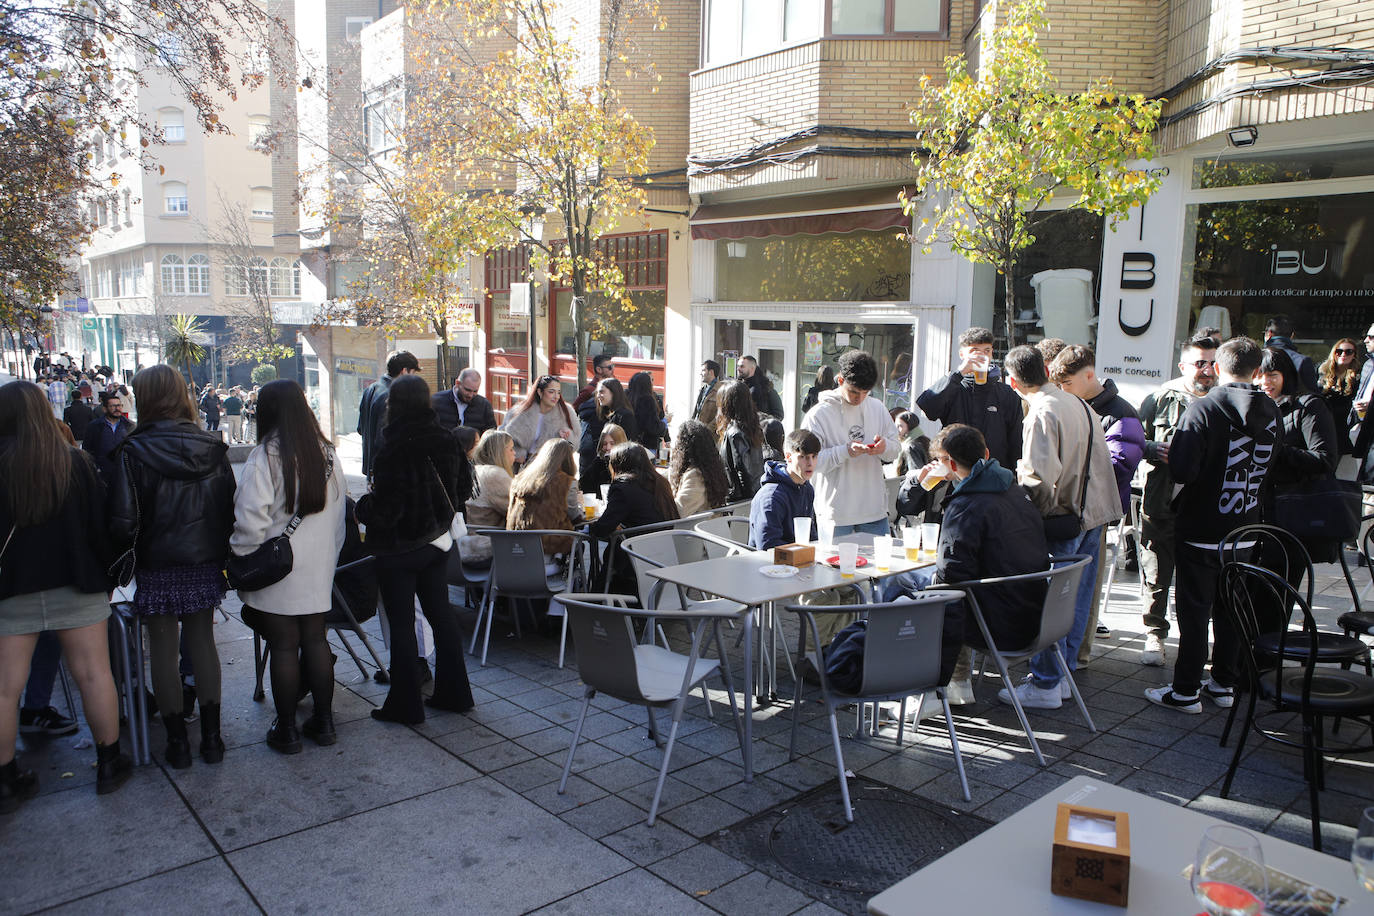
(461, 813)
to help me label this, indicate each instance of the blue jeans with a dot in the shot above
(875, 528)
(1044, 669)
(907, 583)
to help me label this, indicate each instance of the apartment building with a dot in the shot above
(800, 142)
(185, 228)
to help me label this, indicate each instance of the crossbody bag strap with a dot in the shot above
(295, 522)
(1087, 462)
(443, 489)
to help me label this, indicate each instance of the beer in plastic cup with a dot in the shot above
(849, 558)
(912, 545)
(589, 504)
(801, 530)
(935, 477)
(930, 539)
(882, 552)
(980, 372)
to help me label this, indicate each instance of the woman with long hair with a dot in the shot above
(544, 495)
(52, 577)
(608, 404)
(598, 474)
(696, 471)
(494, 468)
(741, 440)
(915, 446)
(825, 380)
(420, 478)
(542, 416)
(639, 495)
(293, 471)
(648, 415)
(172, 507)
(1339, 378)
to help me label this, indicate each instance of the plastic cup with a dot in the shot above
(801, 530)
(589, 504)
(980, 372)
(825, 533)
(930, 539)
(882, 552)
(911, 545)
(935, 477)
(605, 492)
(849, 558)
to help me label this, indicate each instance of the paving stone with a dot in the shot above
(704, 816)
(578, 792)
(603, 816)
(492, 757)
(675, 792)
(553, 740)
(628, 894)
(755, 894)
(528, 775)
(644, 845)
(215, 887)
(620, 773)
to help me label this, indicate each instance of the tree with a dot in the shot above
(1003, 142)
(254, 333)
(182, 346)
(510, 121)
(264, 374)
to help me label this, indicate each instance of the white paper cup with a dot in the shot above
(849, 558)
(801, 530)
(882, 552)
(930, 539)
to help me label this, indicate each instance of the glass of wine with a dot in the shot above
(1362, 851)
(1229, 878)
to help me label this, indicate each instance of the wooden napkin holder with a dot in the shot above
(794, 555)
(1092, 855)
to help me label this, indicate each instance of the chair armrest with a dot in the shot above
(1024, 577)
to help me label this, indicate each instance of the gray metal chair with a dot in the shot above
(126, 641)
(614, 542)
(671, 548)
(517, 574)
(610, 661)
(465, 575)
(729, 530)
(901, 658)
(1056, 620)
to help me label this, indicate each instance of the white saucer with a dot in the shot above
(779, 572)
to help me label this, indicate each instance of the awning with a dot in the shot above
(871, 210)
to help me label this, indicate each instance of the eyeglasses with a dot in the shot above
(1345, 352)
(1204, 363)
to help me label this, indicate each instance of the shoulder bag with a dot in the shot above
(1067, 525)
(122, 571)
(272, 561)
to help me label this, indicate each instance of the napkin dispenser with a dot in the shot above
(794, 554)
(1092, 855)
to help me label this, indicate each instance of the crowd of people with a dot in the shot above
(1033, 461)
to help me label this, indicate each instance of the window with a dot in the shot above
(257, 130)
(744, 28)
(173, 276)
(858, 266)
(354, 25)
(104, 280)
(383, 116)
(102, 212)
(285, 277)
(174, 198)
(128, 207)
(98, 147)
(634, 331)
(130, 279)
(235, 282)
(198, 275)
(257, 276)
(172, 122)
(262, 203)
(169, 50)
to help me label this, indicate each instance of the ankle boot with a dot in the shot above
(284, 737)
(178, 745)
(320, 728)
(211, 744)
(15, 786)
(112, 769)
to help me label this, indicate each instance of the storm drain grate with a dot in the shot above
(806, 842)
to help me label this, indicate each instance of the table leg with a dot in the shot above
(748, 749)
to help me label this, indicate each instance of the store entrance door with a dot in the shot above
(777, 355)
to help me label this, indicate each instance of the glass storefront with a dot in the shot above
(1305, 257)
(631, 330)
(858, 266)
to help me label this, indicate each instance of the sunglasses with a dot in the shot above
(1345, 352)
(1204, 363)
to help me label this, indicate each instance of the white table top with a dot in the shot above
(1006, 869)
(738, 578)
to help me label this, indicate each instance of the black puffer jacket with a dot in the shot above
(592, 425)
(70, 549)
(173, 493)
(415, 487)
(743, 463)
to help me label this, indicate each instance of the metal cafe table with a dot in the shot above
(738, 579)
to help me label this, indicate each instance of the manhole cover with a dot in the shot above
(807, 843)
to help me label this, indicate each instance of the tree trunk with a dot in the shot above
(1008, 284)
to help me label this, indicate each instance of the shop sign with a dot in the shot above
(346, 365)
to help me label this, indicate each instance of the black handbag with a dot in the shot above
(272, 561)
(1067, 525)
(1322, 508)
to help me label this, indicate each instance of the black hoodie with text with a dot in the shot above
(1221, 452)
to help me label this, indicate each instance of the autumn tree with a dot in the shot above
(996, 146)
(254, 336)
(512, 123)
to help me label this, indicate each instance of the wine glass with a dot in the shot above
(1229, 878)
(1362, 851)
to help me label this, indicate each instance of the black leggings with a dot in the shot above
(404, 577)
(295, 643)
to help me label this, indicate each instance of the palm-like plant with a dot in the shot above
(181, 346)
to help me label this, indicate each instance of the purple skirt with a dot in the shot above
(179, 590)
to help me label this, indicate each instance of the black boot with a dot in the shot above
(211, 744)
(320, 728)
(112, 769)
(284, 737)
(15, 786)
(178, 754)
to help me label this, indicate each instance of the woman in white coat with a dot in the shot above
(293, 469)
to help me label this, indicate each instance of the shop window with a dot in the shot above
(632, 329)
(859, 266)
(1304, 257)
(1341, 161)
(820, 344)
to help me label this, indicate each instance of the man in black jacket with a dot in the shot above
(78, 415)
(463, 406)
(992, 407)
(104, 433)
(372, 405)
(1279, 333)
(1221, 453)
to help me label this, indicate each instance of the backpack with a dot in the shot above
(844, 658)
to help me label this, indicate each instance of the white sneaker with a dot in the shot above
(1153, 653)
(928, 706)
(1065, 691)
(960, 693)
(1033, 697)
(1165, 696)
(1225, 697)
